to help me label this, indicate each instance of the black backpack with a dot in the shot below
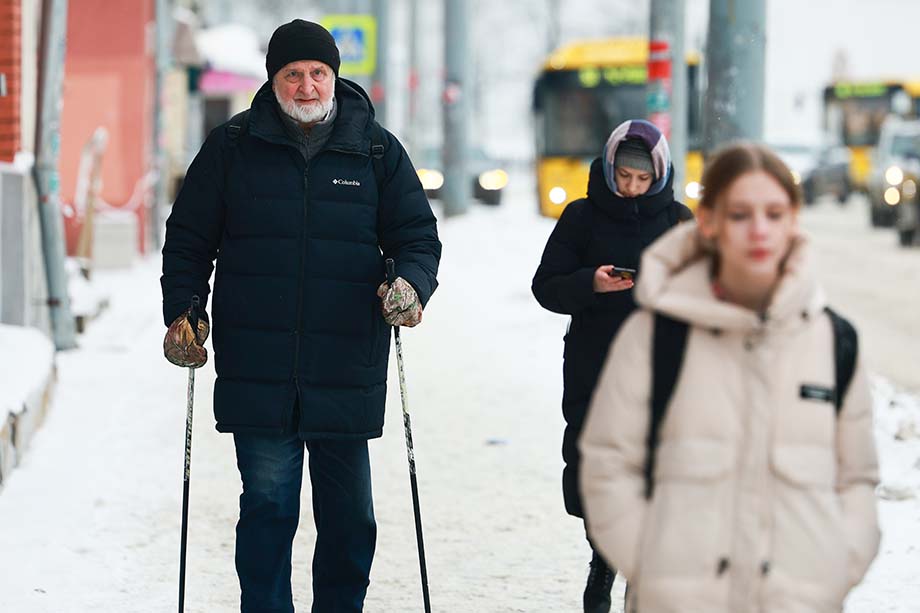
(240, 121)
(668, 345)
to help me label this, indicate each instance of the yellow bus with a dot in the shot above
(583, 92)
(854, 113)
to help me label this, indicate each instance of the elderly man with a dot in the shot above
(299, 200)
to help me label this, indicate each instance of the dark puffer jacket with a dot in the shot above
(601, 229)
(300, 251)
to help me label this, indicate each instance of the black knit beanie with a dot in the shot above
(301, 40)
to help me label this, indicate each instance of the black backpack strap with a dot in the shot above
(378, 148)
(237, 125)
(846, 349)
(669, 340)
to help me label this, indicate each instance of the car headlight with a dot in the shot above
(431, 179)
(493, 180)
(693, 190)
(909, 189)
(894, 175)
(892, 196)
(557, 195)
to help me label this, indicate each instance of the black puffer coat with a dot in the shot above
(300, 251)
(601, 229)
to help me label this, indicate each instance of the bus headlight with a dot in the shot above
(493, 180)
(894, 175)
(892, 196)
(692, 190)
(557, 195)
(431, 179)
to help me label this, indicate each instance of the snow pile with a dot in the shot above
(26, 372)
(86, 299)
(891, 584)
(897, 431)
(26, 361)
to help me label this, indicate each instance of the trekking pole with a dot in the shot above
(410, 451)
(193, 320)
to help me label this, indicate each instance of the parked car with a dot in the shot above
(488, 179)
(895, 168)
(818, 170)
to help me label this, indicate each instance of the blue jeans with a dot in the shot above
(271, 468)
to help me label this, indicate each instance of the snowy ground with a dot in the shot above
(90, 520)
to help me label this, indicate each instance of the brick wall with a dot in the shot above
(11, 67)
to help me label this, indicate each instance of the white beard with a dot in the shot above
(311, 113)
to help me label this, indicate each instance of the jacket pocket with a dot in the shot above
(809, 543)
(805, 466)
(695, 460)
(689, 516)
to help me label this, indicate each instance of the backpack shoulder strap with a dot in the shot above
(378, 148)
(237, 125)
(669, 341)
(846, 349)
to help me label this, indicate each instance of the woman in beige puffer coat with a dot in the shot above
(763, 500)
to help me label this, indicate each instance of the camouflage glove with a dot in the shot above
(400, 303)
(181, 346)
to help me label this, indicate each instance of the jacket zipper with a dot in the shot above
(298, 332)
(635, 209)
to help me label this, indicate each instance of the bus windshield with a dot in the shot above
(862, 120)
(576, 114)
(855, 113)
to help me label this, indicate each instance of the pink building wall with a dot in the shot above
(110, 81)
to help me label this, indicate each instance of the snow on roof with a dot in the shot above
(232, 48)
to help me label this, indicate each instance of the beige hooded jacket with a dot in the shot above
(763, 500)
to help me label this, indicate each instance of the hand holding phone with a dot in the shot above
(610, 278)
(623, 273)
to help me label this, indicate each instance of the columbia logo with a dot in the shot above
(352, 182)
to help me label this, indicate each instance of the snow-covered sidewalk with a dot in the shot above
(90, 520)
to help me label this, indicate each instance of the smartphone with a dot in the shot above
(623, 273)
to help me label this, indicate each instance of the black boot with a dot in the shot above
(597, 590)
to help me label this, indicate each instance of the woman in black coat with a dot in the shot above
(630, 203)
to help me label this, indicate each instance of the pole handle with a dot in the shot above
(391, 271)
(193, 314)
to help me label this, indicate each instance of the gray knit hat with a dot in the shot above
(633, 153)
